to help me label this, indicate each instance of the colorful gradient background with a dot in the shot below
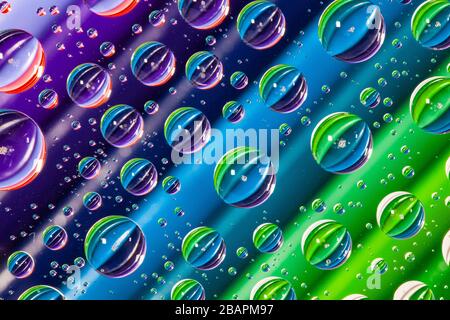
(299, 181)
